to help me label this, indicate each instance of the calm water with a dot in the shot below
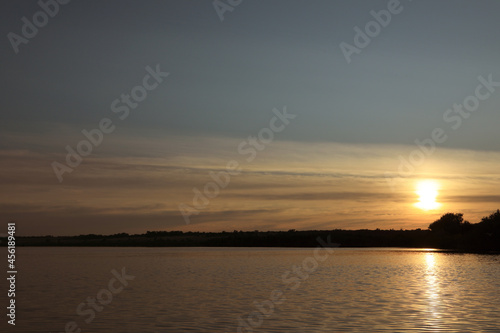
(216, 289)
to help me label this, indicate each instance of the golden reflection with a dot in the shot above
(432, 294)
(430, 275)
(430, 260)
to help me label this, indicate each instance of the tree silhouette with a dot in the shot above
(450, 223)
(491, 224)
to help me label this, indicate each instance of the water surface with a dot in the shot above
(221, 289)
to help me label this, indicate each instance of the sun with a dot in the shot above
(427, 190)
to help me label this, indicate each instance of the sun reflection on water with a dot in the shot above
(433, 292)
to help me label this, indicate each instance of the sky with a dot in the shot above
(247, 115)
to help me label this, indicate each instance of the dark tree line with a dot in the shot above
(452, 231)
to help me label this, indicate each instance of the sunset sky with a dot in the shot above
(342, 158)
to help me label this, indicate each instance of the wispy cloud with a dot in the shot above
(290, 185)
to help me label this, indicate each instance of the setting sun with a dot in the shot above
(427, 191)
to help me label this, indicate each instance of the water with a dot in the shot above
(209, 289)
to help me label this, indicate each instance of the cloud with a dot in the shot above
(290, 185)
(473, 198)
(330, 196)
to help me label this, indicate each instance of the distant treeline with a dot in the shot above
(451, 231)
